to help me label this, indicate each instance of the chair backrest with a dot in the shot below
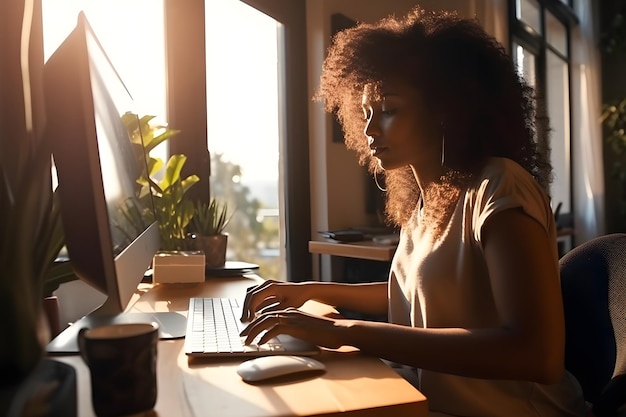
(593, 282)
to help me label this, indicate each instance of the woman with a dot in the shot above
(473, 298)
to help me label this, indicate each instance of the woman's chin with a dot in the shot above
(389, 165)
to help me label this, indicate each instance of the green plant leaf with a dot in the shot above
(163, 183)
(162, 137)
(172, 171)
(188, 182)
(59, 273)
(210, 219)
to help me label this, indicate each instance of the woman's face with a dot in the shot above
(401, 128)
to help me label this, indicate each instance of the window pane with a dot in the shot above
(529, 12)
(131, 33)
(558, 110)
(243, 129)
(556, 33)
(525, 62)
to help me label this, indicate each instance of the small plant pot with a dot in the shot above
(214, 248)
(51, 310)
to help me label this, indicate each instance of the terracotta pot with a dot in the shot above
(52, 314)
(214, 248)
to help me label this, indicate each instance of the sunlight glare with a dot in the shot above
(131, 33)
(242, 87)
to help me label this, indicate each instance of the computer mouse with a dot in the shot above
(268, 367)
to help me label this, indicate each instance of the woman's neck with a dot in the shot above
(438, 199)
(427, 177)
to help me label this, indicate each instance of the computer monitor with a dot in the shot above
(110, 230)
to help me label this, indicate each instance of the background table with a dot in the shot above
(361, 250)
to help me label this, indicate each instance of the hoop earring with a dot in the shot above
(376, 179)
(443, 146)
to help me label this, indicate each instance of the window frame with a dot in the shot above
(186, 110)
(522, 34)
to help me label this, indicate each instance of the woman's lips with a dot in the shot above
(377, 151)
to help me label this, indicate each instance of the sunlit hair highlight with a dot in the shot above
(487, 109)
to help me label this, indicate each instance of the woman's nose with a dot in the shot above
(371, 129)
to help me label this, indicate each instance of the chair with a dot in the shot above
(593, 282)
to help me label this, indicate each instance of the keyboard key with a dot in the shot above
(215, 328)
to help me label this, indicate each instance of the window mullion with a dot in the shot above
(186, 88)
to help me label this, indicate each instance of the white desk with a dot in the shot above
(354, 384)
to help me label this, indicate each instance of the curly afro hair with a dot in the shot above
(487, 109)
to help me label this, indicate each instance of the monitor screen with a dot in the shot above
(110, 229)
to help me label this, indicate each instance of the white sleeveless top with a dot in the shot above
(444, 283)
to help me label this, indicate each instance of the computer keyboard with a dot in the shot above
(213, 328)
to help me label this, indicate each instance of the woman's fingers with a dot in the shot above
(251, 300)
(272, 332)
(290, 321)
(270, 304)
(261, 323)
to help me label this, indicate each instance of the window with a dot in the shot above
(243, 127)
(131, 33)
(159, 47)
(540, 41)
(187, 110)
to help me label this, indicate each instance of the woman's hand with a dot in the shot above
(320, 331)
(273, 296)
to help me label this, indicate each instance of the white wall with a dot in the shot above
(337, 181)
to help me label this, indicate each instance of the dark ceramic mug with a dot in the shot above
(122, 363)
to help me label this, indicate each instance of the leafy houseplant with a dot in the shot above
(177, 215)
(614, 122)
(30, 241)
(210, 219)
(613, 37)
(173, 210)
(208, 224)
(27, 218)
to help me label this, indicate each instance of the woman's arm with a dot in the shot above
(368, 298)
(527, 345)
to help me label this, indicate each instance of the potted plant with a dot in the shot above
(207, 225)
(29, 244)
(163, 182)
(614, 122)
(173, 210)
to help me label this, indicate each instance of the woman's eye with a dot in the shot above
(388, 112)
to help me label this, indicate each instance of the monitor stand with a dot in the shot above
(172, 325)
